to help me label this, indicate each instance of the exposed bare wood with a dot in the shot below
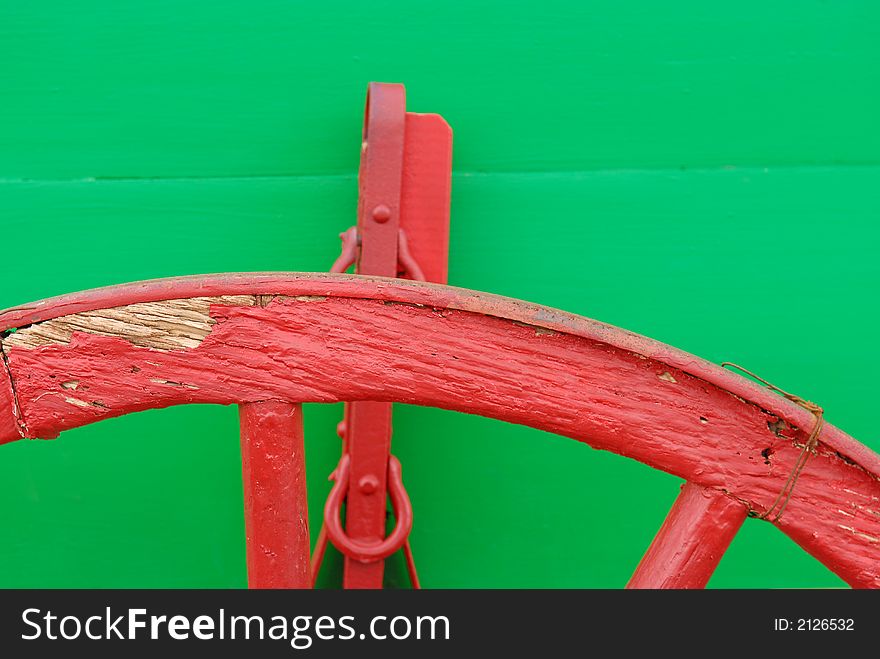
(164, 325)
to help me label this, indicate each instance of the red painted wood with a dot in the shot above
(376, 339)
(307, 284)
(425, 193)
(688, 547)
(10, 418)
(275, 496)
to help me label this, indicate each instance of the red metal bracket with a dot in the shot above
(407, 266)
(363, 551)
(402, 230)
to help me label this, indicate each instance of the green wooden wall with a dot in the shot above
(706, 174)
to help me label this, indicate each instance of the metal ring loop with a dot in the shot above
(360, 550)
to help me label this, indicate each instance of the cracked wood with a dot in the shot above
(353, 338)
(163, 325)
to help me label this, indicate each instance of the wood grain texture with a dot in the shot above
(275, 496)
(692, 540)
(434, 345)
(165, 325)
(316, 287)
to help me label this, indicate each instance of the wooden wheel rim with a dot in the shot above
(323, 338)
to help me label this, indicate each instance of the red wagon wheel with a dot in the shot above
(281, 339)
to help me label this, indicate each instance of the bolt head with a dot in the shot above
(381, 213)
(368, 484)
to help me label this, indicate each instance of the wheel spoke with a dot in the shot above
(275, 498)
(692, 540)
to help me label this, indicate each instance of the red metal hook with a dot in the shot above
(348, 256)
(405, 261)
(365, 551)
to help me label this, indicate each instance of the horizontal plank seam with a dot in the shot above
(678, 169)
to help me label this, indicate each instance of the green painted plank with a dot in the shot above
(84, 234)
(725, 263)
(272, 87)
